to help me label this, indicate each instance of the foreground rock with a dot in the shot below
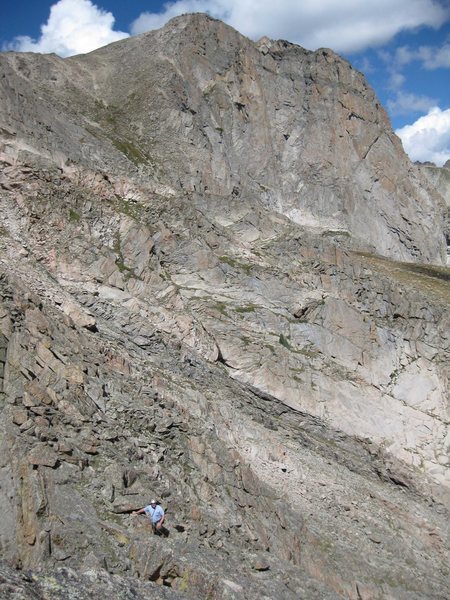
(64, 584)
(156, 402)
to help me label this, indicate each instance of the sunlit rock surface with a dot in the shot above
(220, 286)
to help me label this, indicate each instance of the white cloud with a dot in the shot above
(344, 25)
(431, 57)
(428, 139)
(406, 103)
(396, 80)
(73, 27)
(435, 58)
(403, 56)
(394, 64)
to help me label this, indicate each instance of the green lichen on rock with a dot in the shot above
(131, 151)
(249, 308)
(120, 260)
(129, 208)
(284, 341)
(221, 307)
(236, 264)
(74, 216)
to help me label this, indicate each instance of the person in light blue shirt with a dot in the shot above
(155, 512)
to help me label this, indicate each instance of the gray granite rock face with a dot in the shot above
(283, 394)
(196, 107)
(440, 180)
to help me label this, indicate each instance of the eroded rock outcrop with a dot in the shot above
(170, 326)
(197, 378)
(196, 107)
(440, 179)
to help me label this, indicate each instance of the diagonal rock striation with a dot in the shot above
(221, 284)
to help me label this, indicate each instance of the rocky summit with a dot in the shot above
(223, 285)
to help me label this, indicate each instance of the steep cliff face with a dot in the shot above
(186, 313)
(440, 180)
(197, 107)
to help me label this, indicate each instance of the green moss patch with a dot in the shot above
(246, 309)
(221, 307)
(126, 271)
(130, 151)
(74, 217)
(232, 262)
(284, 341)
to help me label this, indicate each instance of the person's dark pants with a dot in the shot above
(156, 531)
(161, 531)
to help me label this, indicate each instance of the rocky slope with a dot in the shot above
(191, 308)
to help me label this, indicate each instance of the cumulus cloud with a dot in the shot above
(405, 103)
(428, 139)
(436, 58)
(396, 80)
(431, 57)
(73, 27)
(343, 25)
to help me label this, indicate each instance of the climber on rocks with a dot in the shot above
(156, 514)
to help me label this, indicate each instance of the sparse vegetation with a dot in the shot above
(336, 232)
(232, 262)
(246, 309)
(184, 581)
(221, 307)
(285, 342)
(74, 217)
(130, 209)
(120, 261)
(130, 151)
(425, 278)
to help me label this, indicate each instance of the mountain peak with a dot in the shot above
(300, 132)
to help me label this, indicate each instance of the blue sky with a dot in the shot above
(402, 46)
